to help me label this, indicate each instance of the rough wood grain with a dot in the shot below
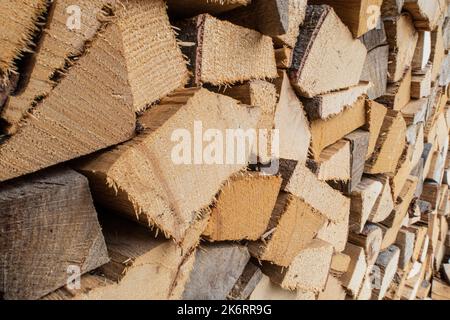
(359, 143)
(326, 132)
(243, 208)
(291, 121)
(319, 195)
(363, 200)
(158, 165)
(270, 17)
(143, 266)
(292, 227)
(370, 239)
(216, 269)
(389, 146)
(213, 45)
(315, 71)
(327, 105)
(402, 38)
(398, 94)
(427, 14)
(385, 203)
(352, 280)
(144, 33)
(99, 113)
(334, 162)
(49, 225)
(386, 267)
(375, 113)
(247, 282)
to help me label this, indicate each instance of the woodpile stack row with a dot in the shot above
(114, 121)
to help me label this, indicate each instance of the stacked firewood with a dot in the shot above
(224, 149)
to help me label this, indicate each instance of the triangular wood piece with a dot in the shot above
(315, 71)
(160, 163)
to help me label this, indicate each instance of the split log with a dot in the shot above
(401, 174)
(437, 52)
(339, 68)
(283, 56)
(61, 46)
(393, 223)
(270, 17)
(384, 272)
(359, 143)
(366, 289)
(340, 264)
(50, 54)
(421, 83)
(389, 146)
(129, 177)
(297, 13)
(440, 290)
(360, 16)
(335, 233)
(61, 129)
(405, 241)
(423, 51)
(375, 113)
(427, 157)
(418, 173)
(412, 285)
(363, 200)
(190, 8)
(392, 7)
(243, 208)
(398, 94)
(50, 227)
(326, 132)
(268, 290)
(292, 227)
(427, 14)
(375, 70)
(415, 111)
(328, 105)
(207, 42)
(424, 290)
(247, 282)
(370, 240)
(263, 95)
(308, 271)
(319, 195)
(446, 33)
(291, 121)
(20, 19)
(333, 163)
(430, 194)
(420, 233)
(353, 278)
(384, 204)
(402, 39)
(216, 269)
(444, 73)
(143, 266)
